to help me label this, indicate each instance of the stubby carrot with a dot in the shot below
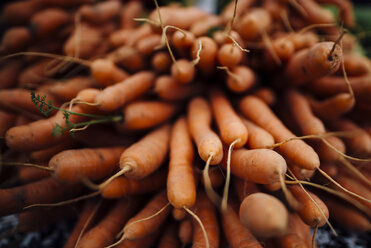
(240, 79)
(272, 219)
(207, 55)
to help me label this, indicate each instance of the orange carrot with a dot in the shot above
(161, 61)
(297, 151)
(131, 10)
(29, 174)
(146, 155)
(148, 44)
(185, 231)
(48, 190)
(253, 23)
(244, 188)
(6, 121)
(69, 89)
(169, 238)
(181, 185)
(267, 95)
(117, 95)
(106, 72)
(313, 63)
(183, 71)
(140, 115)
(47, 21)
(207, 55)
(240, 79)
(103, 234)
(170, 90)
(202, 26)
(122, 186)
(205, 211)
(237, 235)
(258, 137)
(15, 39)
(199, 121)
(100, 12)
(9, 72)
(138, 227)
(272, 219)
(18, 13)
(92, 164)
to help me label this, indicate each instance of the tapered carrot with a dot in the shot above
(202, 26)
(272, 220)
(199, 121)
(181, 185)
(148, 45)
(103, 234)
(267, 95)
(145, 156)
(106, 72)
(145, 242)
(47, 190)
(138, 227)
(29, 175)
(67, 90)
(313, 63)
(297, 151)
(132, 9)
(258, 137)
(140, 115)
(123, 186)
(92, 164)
(315, 13)
(244, 188)
(85, 215)
(117, 95)
(313, 210)
(167, 88)
(47, 21)
(205, 211)
(237, 235)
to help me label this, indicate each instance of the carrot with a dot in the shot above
(117, 95)
(169, 239)
(359, 143)
(333, 107)
(6, 121)
(19, 13)
(237, 235)
(122, 186)
(272, 219)
(259, 165)
(240, 78)
(199, 121)
(181, 185)
(103, 234)
(297, 151)
(130, 11)
(47, 21)
(161, 61)
(202, 26)
(258, 137)
(267, 95)
(205, 211)
(253, 23)
(167, 88)
(35, 74)
(185, 231)
(140, 33)
(9, 72)
(15, 39)
(140, 115)
(92, 164)
(313, 210)
(81, 224)
(38, 134)
(311, 125)
(145, 156)
(179, 214)
(183, 71)
(230, 55)
(47, 190)
(182, 18)
(100, 12)
(207, 55)
(315, 13)
(148, 44)
(182, 40)
(106, 72)
(119, 37)
(242, 6)
(313, 63)
(138, 226)
(69, 89)
(145, 242)
(29, 175)
(304, 40)
(230, 125)
(300, 173)
(85, 99)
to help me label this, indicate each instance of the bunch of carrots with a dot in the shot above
(170, 126)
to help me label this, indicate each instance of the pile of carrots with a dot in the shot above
(170, 126)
